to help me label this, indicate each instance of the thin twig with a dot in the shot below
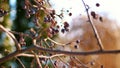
(47, 44)
(32, 63)
(57, 55)
(94, 28)
(52, 62)
(63, 61)
(37, 59)
(40, 56)
(20, 62)
(46, 63)
(54, 41)
(18, 46)
(78, 62)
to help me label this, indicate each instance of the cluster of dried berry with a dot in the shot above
(94, 15)
(2, 12)
(66, 27)
(54, 28)
(52, 31)
(47, 18)
(49, 22)
(30, 9)
(52, 14)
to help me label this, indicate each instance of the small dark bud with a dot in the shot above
(67, 10)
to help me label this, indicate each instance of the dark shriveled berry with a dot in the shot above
(58, 26)
(93, 14)
(97, 4)
(56, 30)
(75, 46)
(63, 30)
(70, 14)
(2, 12)
(66, 24)
(101, 19)
(77, 41)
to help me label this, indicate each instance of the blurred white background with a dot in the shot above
(111, 7)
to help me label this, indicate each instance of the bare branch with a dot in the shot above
(12, 55)
(78, 53)
(18, 47)
(93, 27)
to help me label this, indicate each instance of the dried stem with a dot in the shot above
(63, 61)
(18, 46)
(40, 56)
(20, 62)
(37, 59)
(76, 61)
(93, 27)
(55, 41)
(52, 63)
